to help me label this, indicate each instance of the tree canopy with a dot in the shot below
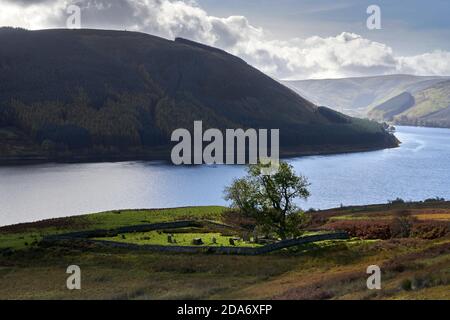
(270, 199)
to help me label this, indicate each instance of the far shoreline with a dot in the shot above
(164, 155)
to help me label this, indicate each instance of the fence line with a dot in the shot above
(85, 236)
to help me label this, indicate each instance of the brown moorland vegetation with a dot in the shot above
(414, 265)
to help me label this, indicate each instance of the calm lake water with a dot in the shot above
(419, 169)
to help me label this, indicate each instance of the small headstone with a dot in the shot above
(232, 242)
(197, 241)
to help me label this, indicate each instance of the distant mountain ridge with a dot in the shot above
(85, 93)
(368, 96)
(427, 106)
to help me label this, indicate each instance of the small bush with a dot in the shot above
(397, 201)
(406, 285)
(401, 224)
(318, 220)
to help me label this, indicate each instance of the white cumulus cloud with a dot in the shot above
(433, 63)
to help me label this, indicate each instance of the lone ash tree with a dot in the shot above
(269, 199)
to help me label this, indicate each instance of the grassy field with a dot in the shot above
(412, 267)
(178, 239)
(23, 235)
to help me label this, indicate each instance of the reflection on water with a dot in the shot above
(419, 169)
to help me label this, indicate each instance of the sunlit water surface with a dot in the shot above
(419, 169)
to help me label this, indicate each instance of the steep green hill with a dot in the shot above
(428, 107)
(357, 96)
(389, 109)
(89, 93)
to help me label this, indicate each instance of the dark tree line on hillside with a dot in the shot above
(78, 89)
(126, 121)
(141, 120)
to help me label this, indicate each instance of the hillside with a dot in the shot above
(392, 107)
(357, 96)
(429, 106)
(409, 241)
(82, 94)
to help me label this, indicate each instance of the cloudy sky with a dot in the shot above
(288, 39)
